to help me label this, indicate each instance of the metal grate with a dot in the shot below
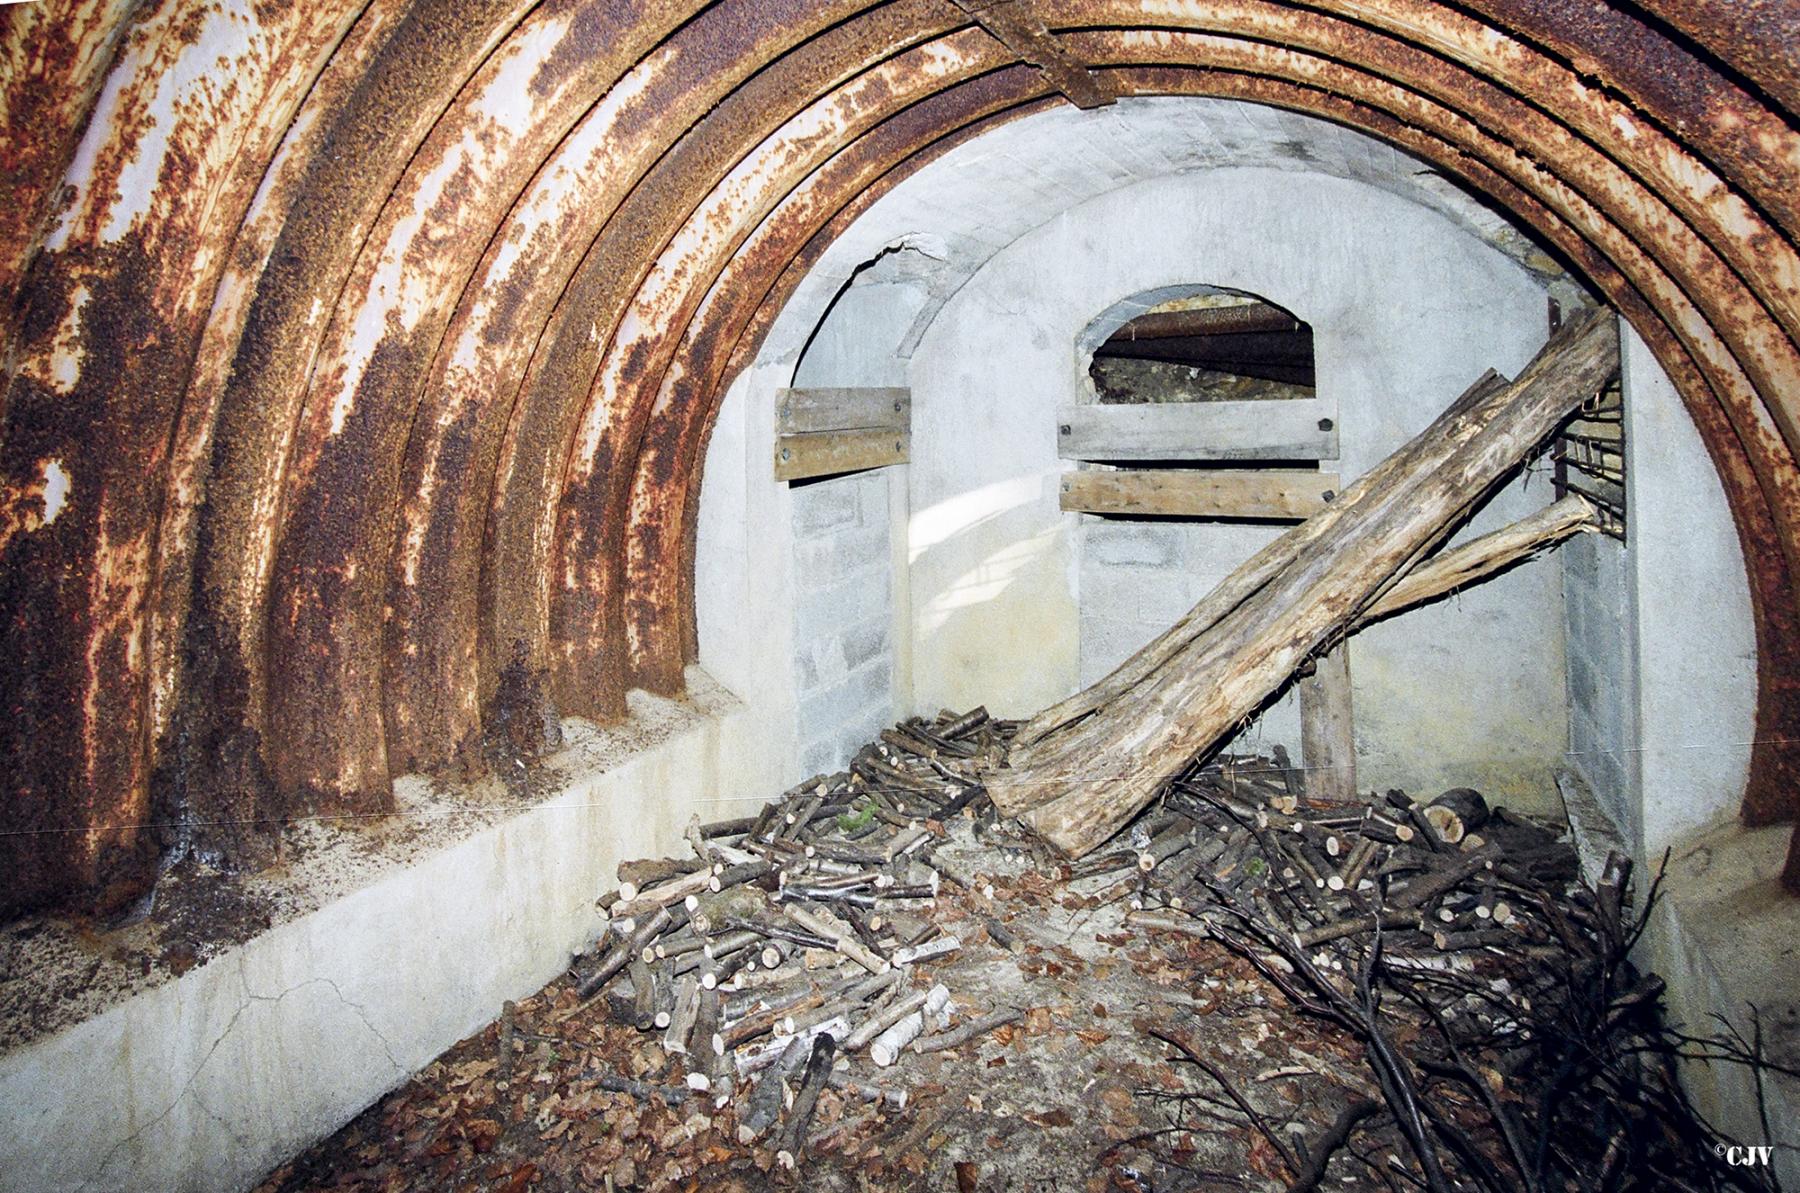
(1589, 454)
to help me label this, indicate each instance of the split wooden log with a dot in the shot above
(1456, 813)
(1079, 781)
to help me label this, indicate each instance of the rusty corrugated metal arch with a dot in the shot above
(356, 352)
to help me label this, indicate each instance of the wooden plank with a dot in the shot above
(1599, 432)
(1200, 493)
(805, 411)
(1327, 741)
(826, 453)
(1300, 429)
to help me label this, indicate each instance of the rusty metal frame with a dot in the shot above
(310, 374)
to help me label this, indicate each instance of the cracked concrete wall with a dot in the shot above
(207, 1081)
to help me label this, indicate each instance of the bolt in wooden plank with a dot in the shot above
(808, 411)
(827, 453)
(1200, 493)
(1298, 429)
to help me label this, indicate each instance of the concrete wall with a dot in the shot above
(847, 651)
(1016, 603)
(1662, 650)
(843, 616)
(205, 1082)
(1662, 688)
(1138, 577)
(1602, 661)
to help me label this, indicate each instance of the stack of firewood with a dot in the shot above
(803, 934)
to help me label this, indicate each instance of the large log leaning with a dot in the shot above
(1105, 756)
(1241, 584)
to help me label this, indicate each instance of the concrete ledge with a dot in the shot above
(1727, 938)
(208, 1080)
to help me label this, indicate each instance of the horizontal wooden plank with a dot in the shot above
(805, 411)
(1606, 492)
(825, 453)
(1199, 493)
(1601, 432)
(1304, 429)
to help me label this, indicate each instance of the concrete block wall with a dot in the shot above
(1602, 677)
(843, 615)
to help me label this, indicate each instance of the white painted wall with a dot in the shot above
(1407, 309)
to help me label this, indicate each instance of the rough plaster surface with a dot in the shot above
(998, 570)
(207, 1081)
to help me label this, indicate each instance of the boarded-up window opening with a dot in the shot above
(1205, 409)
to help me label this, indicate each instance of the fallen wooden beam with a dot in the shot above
(1236, 588)
(1480, 558)
(1080, 781)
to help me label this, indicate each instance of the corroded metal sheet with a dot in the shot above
(53, 57)
(361, 348)
(432, 644)
(110, 310)
(410, 80)
(328, 585)
(588, 568)
(589, 673)
(664, 499)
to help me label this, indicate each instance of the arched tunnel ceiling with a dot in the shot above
(360, 354)
(965, 206)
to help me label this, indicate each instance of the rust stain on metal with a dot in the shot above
(665, 492)
(432, 636)
(341, 494)
(303, 415)
(1721, 122)
(109, 314)
(588, 601)
(1755, 38)
(417, 66)
(53, 57)
(588, 669)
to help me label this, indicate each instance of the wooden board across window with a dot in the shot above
(823, 432)
(1298, 429)
(1200, 493)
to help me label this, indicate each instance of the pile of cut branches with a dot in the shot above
(1513, 1046)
